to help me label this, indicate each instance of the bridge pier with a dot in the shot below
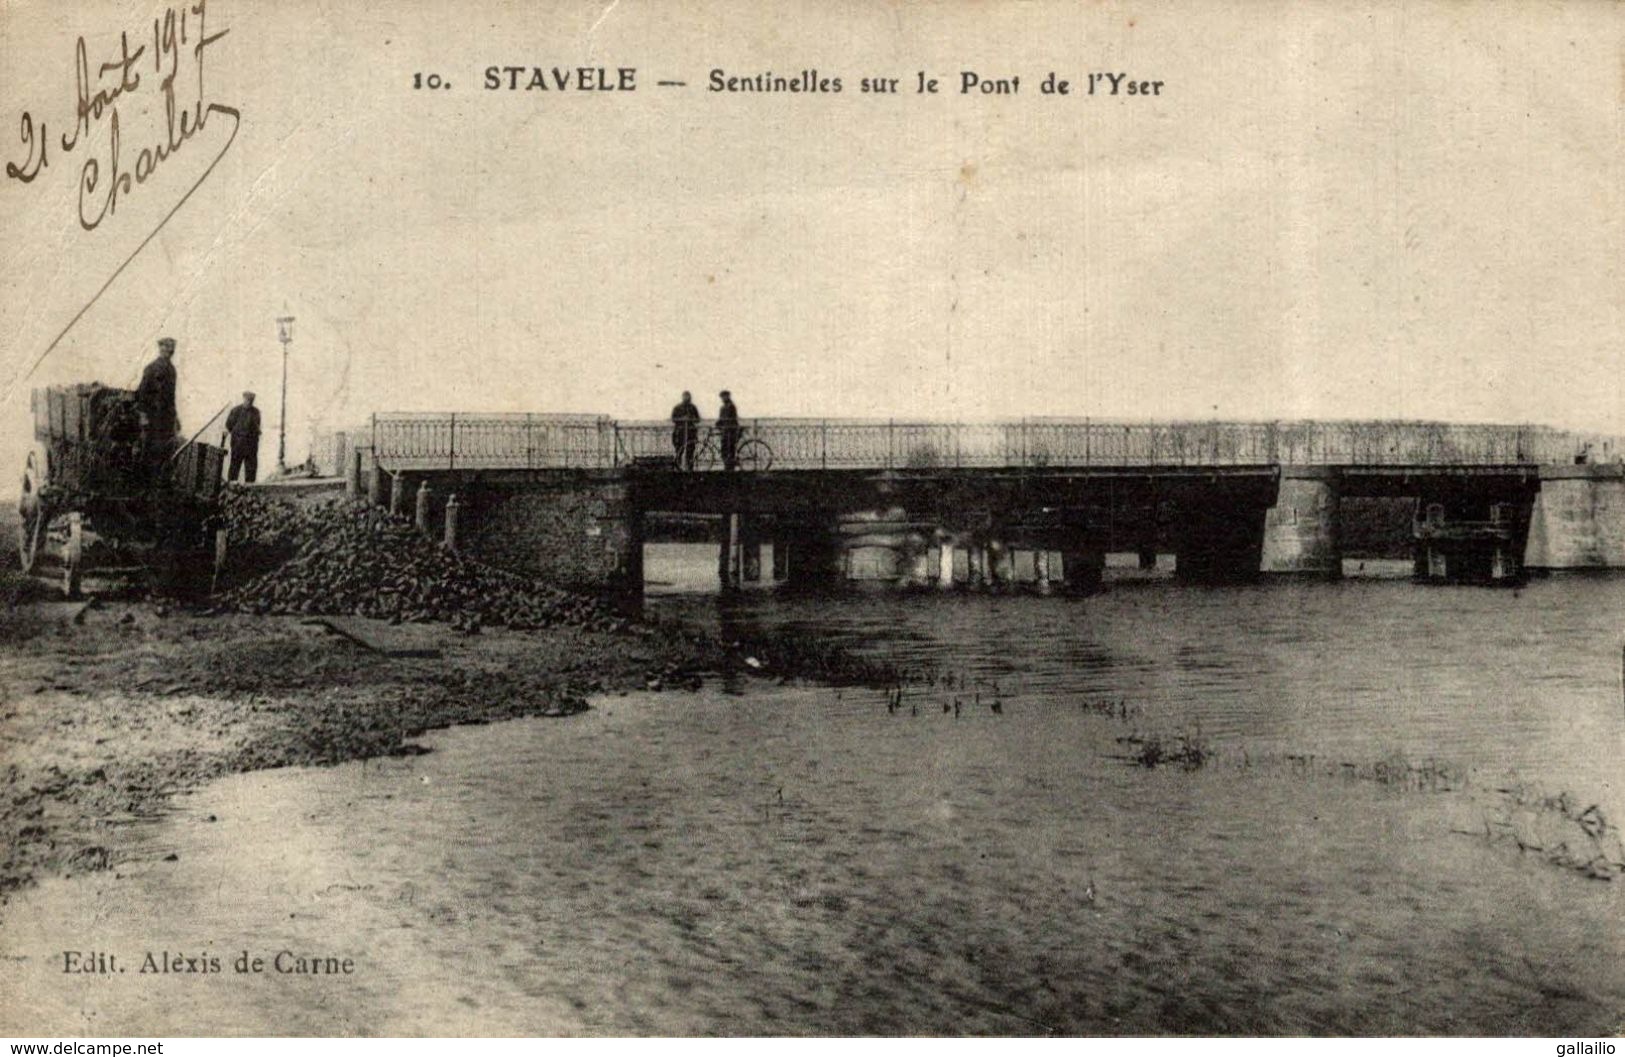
(781, 554)
(750, 546)
(1302, 534)
(998, 569)
(739, 556)
(621, 529)
(728, 553)
(579, 529)
(976, 555)
(1579, 518)
(1084, 569)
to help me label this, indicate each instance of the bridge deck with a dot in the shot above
(520, 441)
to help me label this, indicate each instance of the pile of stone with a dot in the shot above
(254, 519)
(346, 559)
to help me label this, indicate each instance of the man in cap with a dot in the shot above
(244, 426)
(156, 399)
(685, 431)
(729, 430)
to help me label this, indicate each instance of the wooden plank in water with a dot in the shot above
(391, 640)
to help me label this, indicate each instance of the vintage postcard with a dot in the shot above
(870, 518)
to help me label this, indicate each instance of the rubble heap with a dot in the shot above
(254, 519)
(349, 559)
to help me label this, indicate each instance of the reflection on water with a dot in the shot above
(1525, 681)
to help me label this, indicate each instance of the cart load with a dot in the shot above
(97, 466)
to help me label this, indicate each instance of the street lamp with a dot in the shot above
(284, 334)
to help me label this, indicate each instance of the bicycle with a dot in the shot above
(753, 453)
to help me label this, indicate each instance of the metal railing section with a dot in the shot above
(493, 441)
(403, 441)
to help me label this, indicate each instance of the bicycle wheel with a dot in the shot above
(754, 455)
(707, 456)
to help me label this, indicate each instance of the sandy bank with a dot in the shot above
(802, 860)
(110, 709)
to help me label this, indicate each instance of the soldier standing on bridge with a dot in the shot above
(244, 426)
(685, 431)
(728, 431)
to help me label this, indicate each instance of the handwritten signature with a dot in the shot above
(105, 181)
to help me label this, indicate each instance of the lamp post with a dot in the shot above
(284, 334)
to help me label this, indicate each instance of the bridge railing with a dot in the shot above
(539, 441)
(403, 441)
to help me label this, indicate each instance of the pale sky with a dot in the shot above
(1332, 210)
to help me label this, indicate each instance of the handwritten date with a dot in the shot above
(104, 180)
(107, 179)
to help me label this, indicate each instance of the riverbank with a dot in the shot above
(111, 708)
(985, 848)
(797, 860)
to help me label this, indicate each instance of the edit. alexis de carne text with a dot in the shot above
(205, 963)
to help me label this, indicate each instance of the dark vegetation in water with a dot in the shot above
(1557, 829)
(1188, 750)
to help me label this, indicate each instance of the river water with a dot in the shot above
(757, 858)
(1523, 683)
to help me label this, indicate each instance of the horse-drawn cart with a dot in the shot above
(146, 502)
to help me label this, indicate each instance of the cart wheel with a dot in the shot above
(754, 455)
(33, 511)
(70, 557)
(220, 543)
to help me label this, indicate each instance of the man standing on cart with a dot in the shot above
(156, 399)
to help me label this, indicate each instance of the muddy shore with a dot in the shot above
(746, 858)
(111, 708)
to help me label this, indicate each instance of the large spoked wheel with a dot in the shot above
(754, 455)
(708, 455)
(33, 509)
(72, 555)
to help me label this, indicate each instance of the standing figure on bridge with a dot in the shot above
(244, 426)
(728, 431)
(155, 397)
(685, 431)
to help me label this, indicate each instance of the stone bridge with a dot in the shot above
(1036, 501)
